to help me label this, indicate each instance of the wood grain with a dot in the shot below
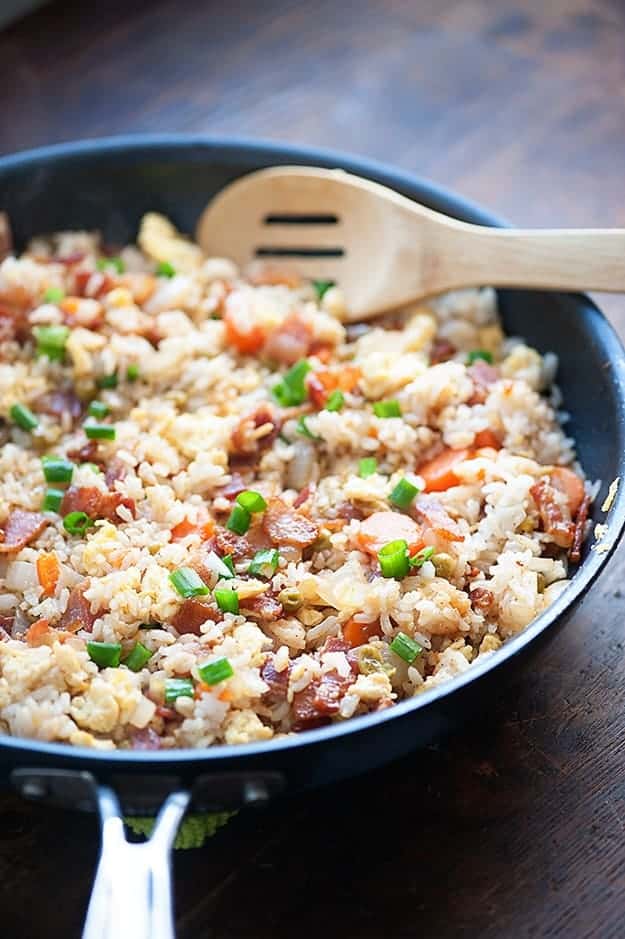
(516, 826)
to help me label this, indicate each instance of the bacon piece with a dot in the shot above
(442, 350)
(336, 644)
(304, 495)
(290, 342)
(313, 706)
(168, 714)
(95, 503)
(192, 613)
(241, 546)
(483, 376)
(278, 682)
(145, 739)
(87, 453)
(60, 402)
(555, 517)
(6, 625)
(429, 510)
(78, 613)
(243, 440)
(93, 284)
(232, 489)
(264, 607)
(21, 527)
(288, 526)
(575, 554)
(482, 599)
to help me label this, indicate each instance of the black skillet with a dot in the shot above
(109, 184)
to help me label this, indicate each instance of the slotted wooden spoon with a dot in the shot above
(385, 250)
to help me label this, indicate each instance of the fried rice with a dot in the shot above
(226, 515)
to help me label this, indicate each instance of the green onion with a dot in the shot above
(264, 563)
(165, 269)
(291, 389)
(53, 295)
(393, 558)
(132, 372)
(229, 563)
(52, 500)
(303, 429)
(213, 672)
(252, 501)
(335, 401)
(98, 409)
(77, 523)
(227, 600)
(23, 417)
(107, 381)
(56, 469)
(367, 467)
(188, 583)
(99, 431)
(178, 688)
(117, 263)
(476, 354)
(137, 657)
(405, 647)
(105, 654)
(322, 287)
(239, 519)
(388, 408)
(419, 559)
(403, 494)
(51, 341)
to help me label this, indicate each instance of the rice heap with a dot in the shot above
(226, 516)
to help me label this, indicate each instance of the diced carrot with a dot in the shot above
(571, 485)
(241, 330)
(35, 634)
(48, 572)
(438, 474)
(321, 350)
(321, 384)
(349, 377)
(382, 527)
(70, 305)
(487, 438)
(226, 695)
(200, 689)
(358, 633)
(204, 527)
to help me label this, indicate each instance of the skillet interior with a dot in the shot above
(109, 184)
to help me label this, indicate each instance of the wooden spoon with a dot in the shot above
(385, 250)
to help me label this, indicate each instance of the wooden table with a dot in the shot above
(514, 828)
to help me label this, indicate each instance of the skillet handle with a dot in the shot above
(131, 897)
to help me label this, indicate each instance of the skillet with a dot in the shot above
(109, 184)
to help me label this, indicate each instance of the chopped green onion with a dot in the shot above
(137, 657)
(52, 500)
(117, 263)
(403, 494)
(303, 429)
(99, 431)
(393, 558)
(57, 470)
(227, 601)
(419, 559)
(53, 295)
(213, 672)
(188, 583)
(165, 269)
(264, 563)
(252, 501)
(476, 354)
(98, 409)
(405, 647)
(239, 519)
(388, 408)
(23, 417)
(335, 401)
(291, 389)
(322, 287)
(229, 563)
(51, 341)
(178, 688)
(77, 523)
(107, 381)
(105, 654)
(132, 372)
(367, 467)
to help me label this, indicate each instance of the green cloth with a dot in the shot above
(194, 830)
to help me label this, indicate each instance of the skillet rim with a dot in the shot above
(265, 152)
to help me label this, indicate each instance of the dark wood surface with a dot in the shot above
(516, 826)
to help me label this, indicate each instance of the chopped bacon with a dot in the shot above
(382, 527)
(581, 518)
(6, 237)
(322, 383)
(168, 714)
(244, 441)
(93, 284)
(87, 453)
(278, 682)
(288, 526)
(95, 503)
(313, 706)
(304, 495)
(20, 528)
(6, 625)
(482, 599)
(60, 402)
(263, 607)
(192, 613)
(78, 613)
(555, 517)
(442, 350)
(14, 307)
(429, 510)
(115, 469)
(145, 739)
(240, 546)
(289, 342)
(232, 489)
(336, 644)
(483, 376)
